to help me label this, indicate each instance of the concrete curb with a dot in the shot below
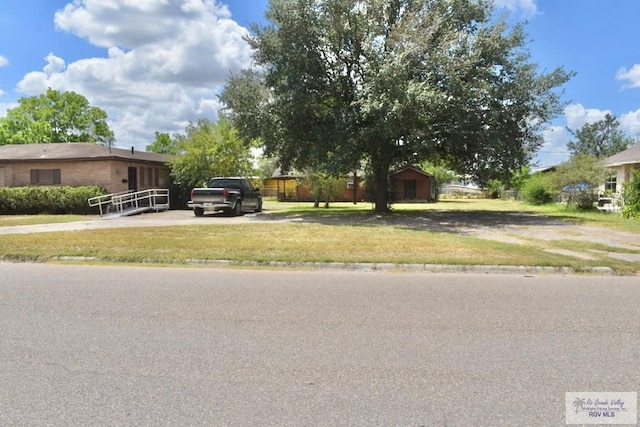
(364, 267)
(418, 268)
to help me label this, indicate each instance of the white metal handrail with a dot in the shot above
(142, 199)
(152, 199)
(103, 202)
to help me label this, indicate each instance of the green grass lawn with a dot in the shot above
(12, 220)
(316, 241)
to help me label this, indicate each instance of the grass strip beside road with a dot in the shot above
(288, 243)
(15, 220)
(344, 233)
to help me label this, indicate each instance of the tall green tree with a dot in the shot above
(392, 81)
(163, 144)
(209, 149)
(55, 117)
(601, 139)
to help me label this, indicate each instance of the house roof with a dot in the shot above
(413, 168)
(75, 151)
(629, 156)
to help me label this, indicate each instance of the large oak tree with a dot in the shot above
(339, 82)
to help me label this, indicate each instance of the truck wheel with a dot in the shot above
(237, 209)
(198, 211)
(259, 207)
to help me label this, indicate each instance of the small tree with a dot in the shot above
(578, 180)
(518, 179)
(266, 166)
(536, 190)
(494, 189)
(323, 186)
(441, 176)
(164, 144)
(631, 197)
(210, 149)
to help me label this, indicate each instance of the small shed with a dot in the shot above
(411, 184)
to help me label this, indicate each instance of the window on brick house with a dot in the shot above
(45, 177)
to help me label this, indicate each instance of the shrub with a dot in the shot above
(494, 189)
(536, 190)
(631, 197)
(47, 200)
(578, 179)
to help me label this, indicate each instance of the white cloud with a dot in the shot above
(631, 76)
(554, 150)
(577, 116)
(527, 8)
(4, 106)
(166, 62)
(630, 123)
(3, 61)
(54, 64)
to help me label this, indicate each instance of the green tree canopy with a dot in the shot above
(55, 117)
(441, 174)
(393, 81)
(163, 144)
(601, 139)
(578, 180)
(210, 149)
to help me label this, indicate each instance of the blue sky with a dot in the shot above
(155, 65)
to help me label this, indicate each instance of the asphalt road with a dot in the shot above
(144, 346)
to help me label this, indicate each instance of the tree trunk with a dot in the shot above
(381, 177)
(355, 187)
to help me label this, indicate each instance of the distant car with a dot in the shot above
(232, 195)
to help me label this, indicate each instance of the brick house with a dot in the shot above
(77, 164)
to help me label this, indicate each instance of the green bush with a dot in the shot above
(631, 197)
(536, 190)
(578, 179)
(494, 189)
(47, 200)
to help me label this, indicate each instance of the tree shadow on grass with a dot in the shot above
(458, 222)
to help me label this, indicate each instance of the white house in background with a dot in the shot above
(621, 166)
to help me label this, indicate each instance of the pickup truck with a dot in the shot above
(231, 195)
